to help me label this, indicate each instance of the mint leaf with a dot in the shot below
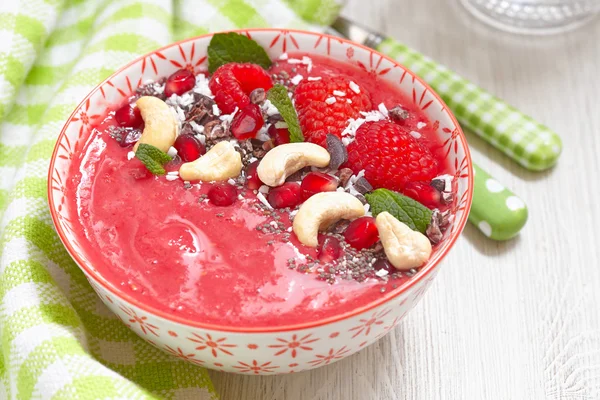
(414, 214)
(225, 48)
(153, 158)
(278, 96)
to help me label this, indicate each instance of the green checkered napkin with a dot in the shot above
(58, 340)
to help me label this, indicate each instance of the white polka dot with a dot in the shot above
(516, 138)
(472, 107)
(443, 87)
(430, 76)
(513, 116)
(514, 203)
(545, 136)
(501, 128)
(416, 68)
(531, 147)
(458, 97)
(485, 96)
(500, 106)
(494, 186)
(471, 86)
(487, 117)
(530, 126)
(556, 149)
(485, 228)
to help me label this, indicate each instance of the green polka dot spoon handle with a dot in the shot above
(495, 210)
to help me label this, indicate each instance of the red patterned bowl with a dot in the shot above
(261, 350)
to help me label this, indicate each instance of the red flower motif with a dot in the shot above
(180, 354)
(328, 39)
(329, 357)
(212, 344)
(284, 36)
(421, 98)
(255, 367)
(373, 68)
(367, 324)
(293, 344)
(451, 142)
(84, 118)
(140, 320)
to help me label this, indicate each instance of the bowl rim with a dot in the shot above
(115, 291)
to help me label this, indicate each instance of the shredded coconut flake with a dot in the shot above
(383, 109)
(330, 100)
(349, 101)
(228, 117)
(262, 199)
(354, 87)
(294, 61)
(199, 129)
(172, 152)
(269, 108)
(373, 116)
(263, 134)
(216, 110)
(284, 56)
(296, 79)
(381, 273)
(130, 155)
(264, 189)
(415, 134)
(172, 177)
(231, 181)
(314, 78)
(339, 93)
(421, 125)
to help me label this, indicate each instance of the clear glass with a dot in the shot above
(534, 16)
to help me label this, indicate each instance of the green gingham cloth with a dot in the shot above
(58, 341)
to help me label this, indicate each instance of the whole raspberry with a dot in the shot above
(232, 84)
(320, 115)
(390, 156)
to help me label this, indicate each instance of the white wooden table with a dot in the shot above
(514, 320)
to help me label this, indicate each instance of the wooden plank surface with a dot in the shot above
(514, 320)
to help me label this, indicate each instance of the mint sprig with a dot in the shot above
(278, 96)
(230, 47)
(414, 214)
(153, 158)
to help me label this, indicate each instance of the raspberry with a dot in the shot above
(390, 156)
(232, 84)
(317, 117)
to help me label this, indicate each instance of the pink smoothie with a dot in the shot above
(155, 240)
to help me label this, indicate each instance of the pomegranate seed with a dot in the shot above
(247, 122)
(188, 147)
(329, 249)
(362, 233)
(424, 193)
(286, 195)
(279, 135)
(316, 182)
(384, 264)
(180, 82)
(252, 179)
(222, 194)
(128, 116)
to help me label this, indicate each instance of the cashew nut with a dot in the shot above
(218, 164)
(404, 248)
(321, 211)
(284, 160)
(160, 127)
